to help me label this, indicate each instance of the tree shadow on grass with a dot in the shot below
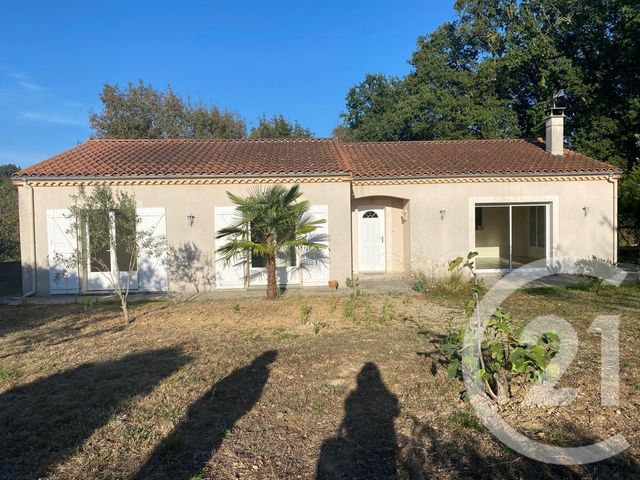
(186, 451)
(45, 421)
(365, 447)
(68, 331)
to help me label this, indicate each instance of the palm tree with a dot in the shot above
(271, 222)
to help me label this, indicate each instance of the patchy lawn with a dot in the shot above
(299, 388)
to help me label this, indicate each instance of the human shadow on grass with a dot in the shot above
(365, 446)
(186, 451)
(43, 422)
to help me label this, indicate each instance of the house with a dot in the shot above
(387, 205)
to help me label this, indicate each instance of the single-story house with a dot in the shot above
(388, 206)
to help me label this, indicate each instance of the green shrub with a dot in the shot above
(503, 358)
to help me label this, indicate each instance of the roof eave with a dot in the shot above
(615, 174)
(40, 178)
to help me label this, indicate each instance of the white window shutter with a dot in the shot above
(228, 274)
(315, 264)
(63, 244)
(152, 268)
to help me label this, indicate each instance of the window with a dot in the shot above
(125, 228)
(537, 226)
(99, 251)
(99, 239)
(478, 218)
(370, 214)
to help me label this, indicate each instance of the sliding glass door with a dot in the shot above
(509, 236)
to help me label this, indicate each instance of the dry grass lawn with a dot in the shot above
(297, 388)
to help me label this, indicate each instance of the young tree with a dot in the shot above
(109, 240)
(270, 222)
(279, 127)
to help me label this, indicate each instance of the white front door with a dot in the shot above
(371, 240)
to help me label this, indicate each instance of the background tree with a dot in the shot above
(279, 127)
(492, 72)
(106, 221)
(270, 222)
(141, 111)
(629, 200)
(9, 223)
(449, 94)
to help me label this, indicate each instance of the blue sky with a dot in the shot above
(296, 58)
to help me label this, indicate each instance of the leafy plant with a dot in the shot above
(304, 309)
(388, 311)
(106, 221)
(367, 312)
(317, 326)
(270, 223)
(349, 309)
(88, 303)
(354, 285)
(504, 358)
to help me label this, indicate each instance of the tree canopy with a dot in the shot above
(9, 223)
(493, 71)
(142, 111)
(279, 127)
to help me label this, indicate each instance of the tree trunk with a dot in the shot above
(125, 310)
(272, 284)
(502, 386)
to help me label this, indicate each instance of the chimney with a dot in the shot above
(555, 131)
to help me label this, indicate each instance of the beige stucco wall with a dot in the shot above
(415, 231)
(435, 240)
(179, 201)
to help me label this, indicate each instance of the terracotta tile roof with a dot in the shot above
(190, 157)
(465, 157)
(177, 157)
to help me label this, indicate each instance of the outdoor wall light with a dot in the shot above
(190, 219)
(442, 213)
(586, 209)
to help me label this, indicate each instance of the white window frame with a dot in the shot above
(103, 280)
